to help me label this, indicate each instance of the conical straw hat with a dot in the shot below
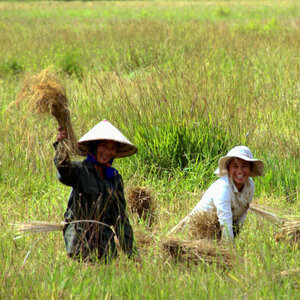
(105, 131)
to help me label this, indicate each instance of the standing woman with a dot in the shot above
(229, 196)
(96, 202)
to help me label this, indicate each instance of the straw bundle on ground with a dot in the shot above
(204, 225)
(291, 229)
(143, 239)
(200, 251)
(46, 95)
(140, 201)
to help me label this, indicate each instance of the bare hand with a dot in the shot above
(61, 134)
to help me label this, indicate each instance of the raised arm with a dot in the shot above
(67, 170)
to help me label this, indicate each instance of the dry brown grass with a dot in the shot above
(46, 95)
(291, 230)
(204, 225)
(199, 251)
(140, 201)
(289, 224)
(22, 229)
(270, 216)
(145, 241)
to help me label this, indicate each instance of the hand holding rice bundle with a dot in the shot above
(46, 95)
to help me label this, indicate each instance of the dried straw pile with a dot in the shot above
(198, 251)
(46, 95)
(204, 225)
(140, 201)
(291, 229)
(144, 240)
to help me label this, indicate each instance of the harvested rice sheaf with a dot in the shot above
(289, 224)
(205, 225)
(23, 229)
(291, 229)
(46, 95)
(140, 201)
(143, 239)
(200, 251)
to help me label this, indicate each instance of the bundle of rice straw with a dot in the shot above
(291, 229)
(290, 225)
(200, 251)
(144, 240)
(205, 225)
(202, 225)
(266, 214)
(139, 201)
(24, 229)
(46, 95)
(27, 228)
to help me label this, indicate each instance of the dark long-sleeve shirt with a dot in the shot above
(93, 198)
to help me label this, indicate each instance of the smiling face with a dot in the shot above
(239, 171)
(106, 150)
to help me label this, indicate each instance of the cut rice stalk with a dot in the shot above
(24, 229)
(140, 201)
(266, 214)
(200, 251)
(290, 225)
(205, 225)
(291, 228)
(27, 228)
(202, 225)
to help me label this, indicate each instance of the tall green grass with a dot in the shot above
(185, 82)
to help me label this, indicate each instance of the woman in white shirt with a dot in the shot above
(230, 196)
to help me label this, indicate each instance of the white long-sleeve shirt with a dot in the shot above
(230, 205)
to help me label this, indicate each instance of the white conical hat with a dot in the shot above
(244, 153)
(105, 131)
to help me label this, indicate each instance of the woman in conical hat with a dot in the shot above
(96, 202)
(230, 196)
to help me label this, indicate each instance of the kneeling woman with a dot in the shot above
(230, 196)
(97, 199)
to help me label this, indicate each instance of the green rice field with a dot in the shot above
(185, 81)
